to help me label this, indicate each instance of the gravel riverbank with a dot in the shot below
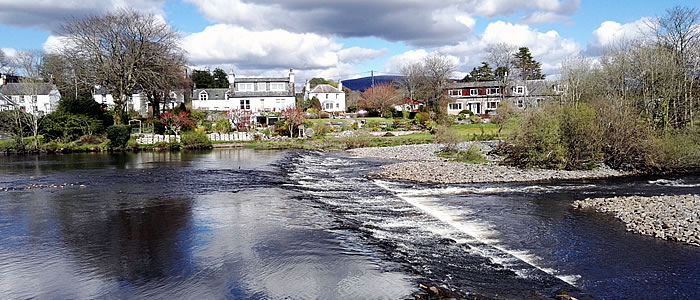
(674, 218)
(420, 164)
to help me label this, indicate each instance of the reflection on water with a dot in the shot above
(216, 224)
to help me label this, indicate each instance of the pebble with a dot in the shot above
(675, 218)
(419, 163)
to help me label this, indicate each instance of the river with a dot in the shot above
(246, 224)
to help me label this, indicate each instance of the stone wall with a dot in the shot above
(156, 138)
(230, 137)
(214, 137)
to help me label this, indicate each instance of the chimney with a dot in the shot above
(291, 76)
(308, 86)
(340, 85)
(231, 79)
(3, 79)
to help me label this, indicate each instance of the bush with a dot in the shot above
(581, 136)
(118, 136)
(447, 137)
(222, 126)
(557, 138)
(471, 156)
(361, 140)
(422, 118)
(67, 127)
(89, 140)
(320, 129)
(195, 140)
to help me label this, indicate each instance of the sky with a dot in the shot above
(343, 39)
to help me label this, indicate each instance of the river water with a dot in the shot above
(246, 224)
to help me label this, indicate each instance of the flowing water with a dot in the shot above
(247, 224)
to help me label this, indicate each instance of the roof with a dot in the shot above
(262, 79)
(475, 84)
(12, 89)
(214, 94)
(325, 88)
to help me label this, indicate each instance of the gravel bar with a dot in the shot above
(419, 163)
(675, 218)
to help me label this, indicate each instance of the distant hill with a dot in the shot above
(361, 84)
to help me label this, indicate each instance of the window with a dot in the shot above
(491, 105)
(539, 101)
(455, 106)
(34, 98)
(520, 90)
(473, 92)
(337, 105)
(521, 104)
(455, 92)
(492, 91)
(203, 96)
(336, 96)
(245, 104)
(245, 87)
(277, 86)
(329, 105)
(262, 86)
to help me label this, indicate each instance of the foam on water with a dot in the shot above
(674, 183)
(483, 233)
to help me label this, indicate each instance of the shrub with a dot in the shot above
(581, 136)
(222, 126)
(422, 118)
(68, 127)
(471, 156)
(558, 137)
(320, 129)
(195, 140)
(118, 136)
(447, 137)
(361, 140)
(89, 140)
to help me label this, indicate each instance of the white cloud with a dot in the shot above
(357, 55)
(228, 44)
(549, 48)
(49, 14)
(426, 23)
(610, 32)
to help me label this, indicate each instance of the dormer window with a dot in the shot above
(203, 96)
(245, 87)
(473, 92)
(277, 86)
(262, 87)
(455, 92)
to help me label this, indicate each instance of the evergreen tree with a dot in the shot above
(482, 73)
(203, 79)
(220, 79)
(528, 67)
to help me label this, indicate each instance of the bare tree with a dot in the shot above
(381, 97)
(6, 65)
(500, 56)
(413, 77)
(29, 63)
(438, 70)
(122, 51)
(576, 75)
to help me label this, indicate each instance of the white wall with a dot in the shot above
(45, 104)
(257, 104)
(336, 99)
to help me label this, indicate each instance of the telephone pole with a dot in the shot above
(372, 84)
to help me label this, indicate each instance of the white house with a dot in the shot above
(255, 95)
(34, 98)
(138, 102)
(332, 99)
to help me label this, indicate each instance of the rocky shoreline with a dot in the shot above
(419, 163)
(675, 218)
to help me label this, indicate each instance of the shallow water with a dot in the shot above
(303, 225)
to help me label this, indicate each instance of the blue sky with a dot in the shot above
(345, 39)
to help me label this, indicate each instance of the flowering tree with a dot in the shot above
(294, 118)
(240, 118)
(381, 97)
(176, 122)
